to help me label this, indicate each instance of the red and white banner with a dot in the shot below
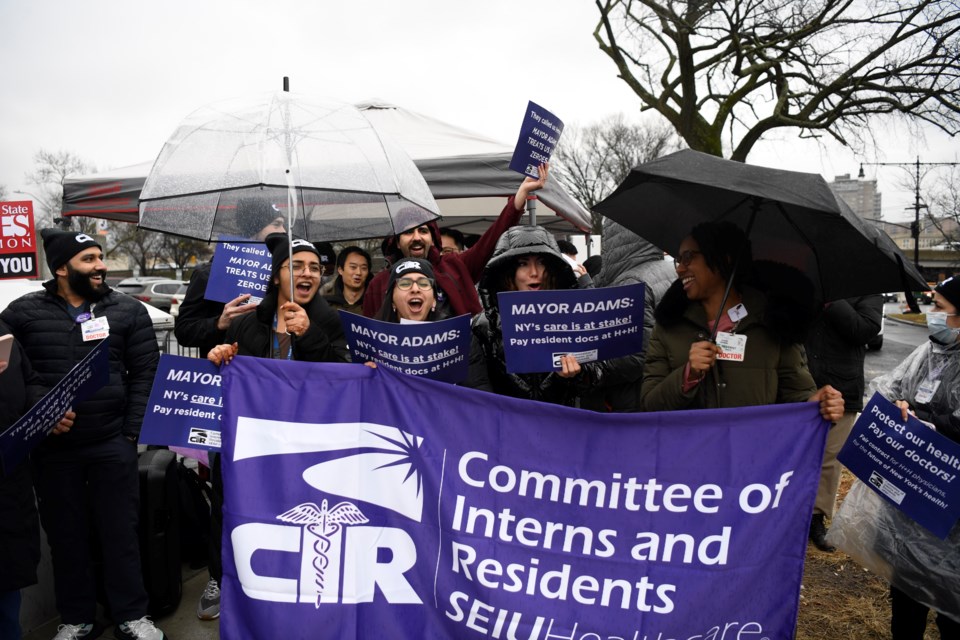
(18, 240)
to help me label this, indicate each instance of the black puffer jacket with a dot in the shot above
(545, 387)
(19, 524)
(197, 320)
(54, 344)
(322, 342)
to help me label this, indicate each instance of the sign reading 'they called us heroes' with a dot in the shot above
(539, 135)
(909, 464)
(238, 268)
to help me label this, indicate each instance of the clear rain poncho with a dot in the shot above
(881, 537)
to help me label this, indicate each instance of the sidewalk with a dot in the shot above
(183, 624)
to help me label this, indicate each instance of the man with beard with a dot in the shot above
(87, 479)
(303, 328)
(457, 273)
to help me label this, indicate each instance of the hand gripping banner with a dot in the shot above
(364, 503)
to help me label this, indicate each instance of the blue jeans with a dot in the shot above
(10, 615)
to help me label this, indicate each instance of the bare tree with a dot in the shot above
(748, 67)
(50, 169)
(181, 251)
(592, 160)
(141, 246)
(944, 210)
(3, 192)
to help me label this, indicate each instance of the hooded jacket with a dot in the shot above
(773, 370)
(546, 387)
(54, 344)
(629, 259)
(196, 324)
(323, 341)
(903, 383)
(457, 273)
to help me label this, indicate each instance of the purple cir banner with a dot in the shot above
(363, 503)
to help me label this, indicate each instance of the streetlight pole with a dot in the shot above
(915, 227)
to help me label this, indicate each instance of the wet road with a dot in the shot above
(898, 341)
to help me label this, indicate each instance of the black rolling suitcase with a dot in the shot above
(160, 530)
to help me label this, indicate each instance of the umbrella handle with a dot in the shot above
(291, 216)
(757, 201)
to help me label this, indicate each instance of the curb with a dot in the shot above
(906, 323)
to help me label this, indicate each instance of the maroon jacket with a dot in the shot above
(457, 273)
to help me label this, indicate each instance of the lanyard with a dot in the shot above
(276, 342)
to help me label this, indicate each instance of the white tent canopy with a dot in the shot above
(467, 173)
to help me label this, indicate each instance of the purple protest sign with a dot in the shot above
(539, 134)
(909, 464)
(359, 500)
(185, 404)
(591, 324)
(436, 350)
(238, 268)
(86, 378)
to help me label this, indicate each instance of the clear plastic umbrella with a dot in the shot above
(340, 178)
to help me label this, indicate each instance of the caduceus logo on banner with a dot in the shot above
(385, 457)
(323, 523)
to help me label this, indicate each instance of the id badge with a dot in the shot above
(734, 346)
(737, 313)
(95, 329)
(926, 391)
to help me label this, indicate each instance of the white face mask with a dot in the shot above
(938, 329)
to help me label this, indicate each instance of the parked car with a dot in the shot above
(176, 300)
(156, 292)
(10, 290)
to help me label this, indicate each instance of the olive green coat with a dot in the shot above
(772, 372)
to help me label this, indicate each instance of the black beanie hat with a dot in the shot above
(950, 289)
(253, 214)
(60, 246)
(328, 257)
(279, 247)
(410, 265)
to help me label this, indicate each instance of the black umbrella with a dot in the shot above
(790, 217)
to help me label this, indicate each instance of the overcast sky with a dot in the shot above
(109, 79)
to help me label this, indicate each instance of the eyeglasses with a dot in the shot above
(424, 284)
(685, 258)
(302, 268)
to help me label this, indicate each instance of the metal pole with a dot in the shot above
(532, 210)
(916, 218)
